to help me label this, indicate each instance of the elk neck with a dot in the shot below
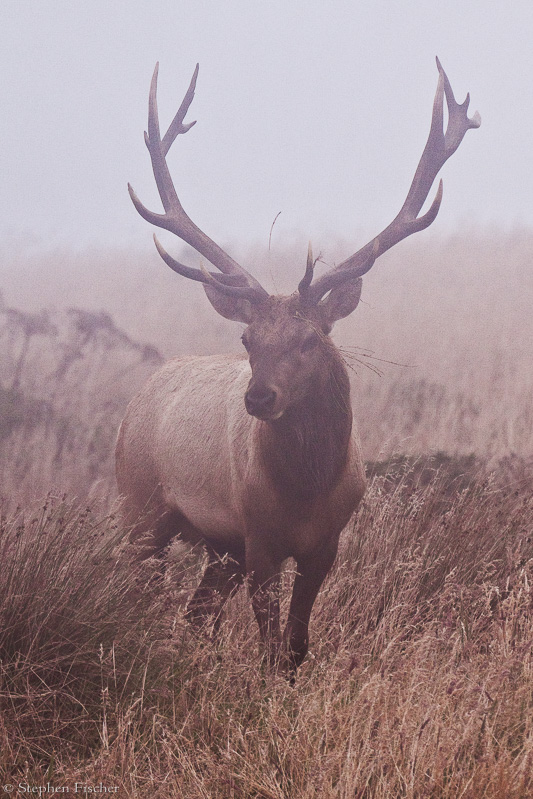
(305, 450)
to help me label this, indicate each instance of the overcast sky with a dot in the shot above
(316, 109)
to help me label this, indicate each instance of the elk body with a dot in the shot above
(257, 457)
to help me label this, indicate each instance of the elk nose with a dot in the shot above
(260, 400)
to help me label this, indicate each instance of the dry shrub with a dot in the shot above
(419, 683)
(66, 379)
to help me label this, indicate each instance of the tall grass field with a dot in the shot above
(419, 680)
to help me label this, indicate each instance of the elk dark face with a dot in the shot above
(289, 352)
(287, 341)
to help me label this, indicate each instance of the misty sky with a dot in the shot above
(316, 109)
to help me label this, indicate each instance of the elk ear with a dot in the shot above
(340, 302)
(237, 309)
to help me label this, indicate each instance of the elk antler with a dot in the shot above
(439, 147)
(235, 280)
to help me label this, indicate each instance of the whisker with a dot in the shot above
(363, 353)
(349, 357)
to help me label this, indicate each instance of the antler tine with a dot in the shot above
(458, 119)
(175, 218)
(439, 147)
(305, 282)
(176, 126)
(227, 284)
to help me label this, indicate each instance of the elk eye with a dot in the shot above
(309, 343)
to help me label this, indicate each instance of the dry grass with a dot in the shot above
(420, 680)
(419, 683)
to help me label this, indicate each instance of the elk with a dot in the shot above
(257, 457)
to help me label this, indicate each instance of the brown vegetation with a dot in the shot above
(65, 381)
(419, 683)
(420, 680)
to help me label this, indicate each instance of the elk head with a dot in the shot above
(287, 337)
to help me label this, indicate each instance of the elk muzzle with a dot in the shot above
(261, 401)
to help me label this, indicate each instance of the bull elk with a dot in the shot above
(257, 457)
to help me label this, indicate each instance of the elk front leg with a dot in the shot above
(264, 580)
(311, 573)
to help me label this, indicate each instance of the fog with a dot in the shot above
(316, 110)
